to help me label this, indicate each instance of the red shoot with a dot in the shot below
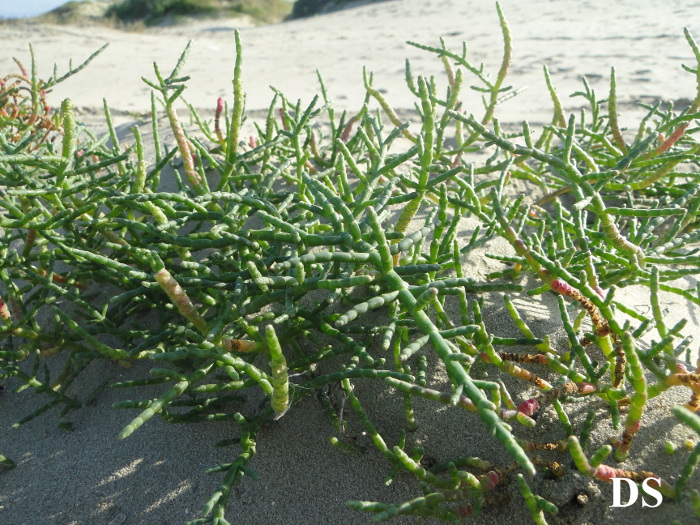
(562, 287)
(217, 119)
(529, 407)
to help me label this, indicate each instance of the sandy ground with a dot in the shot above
(156, 476)
(644, 42)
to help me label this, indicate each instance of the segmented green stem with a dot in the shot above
(156, 406)
(280, 379)
(637, 400)
(234, 129)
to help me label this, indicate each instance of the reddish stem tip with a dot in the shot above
(529, 407)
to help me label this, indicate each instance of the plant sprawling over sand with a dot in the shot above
(332, 249)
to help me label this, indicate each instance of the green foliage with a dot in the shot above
(305, 8)
(245, 253)
(152, 12)
(76, 12)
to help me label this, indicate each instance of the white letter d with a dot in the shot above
(634, 492)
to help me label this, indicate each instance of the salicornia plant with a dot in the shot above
(260, 262)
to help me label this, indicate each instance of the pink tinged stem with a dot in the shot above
(489, 481)
(284, 122)
(4, 311)
(682, 369)
(532, 405)
(607, 473)
(217, 119)
(180, 299)
(184, 147)
(563, 287)
(348, 129)
(586, 388)
(670, 141)
(529, 407)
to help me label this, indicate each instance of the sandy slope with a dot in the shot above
(644, 43)
(156, 476)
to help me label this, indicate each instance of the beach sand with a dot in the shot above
(156, 476)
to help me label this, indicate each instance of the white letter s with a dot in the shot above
(652, 492)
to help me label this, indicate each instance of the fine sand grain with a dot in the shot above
(156, 476)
